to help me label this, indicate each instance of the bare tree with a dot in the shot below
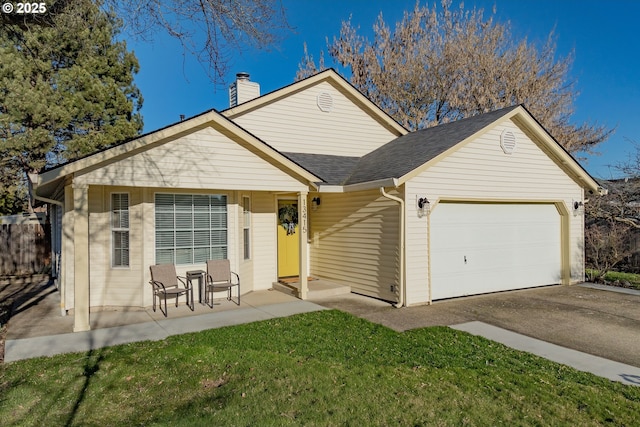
(308, 66)
(438, 66)
(611, 223)
(607, 245)
(213, 31)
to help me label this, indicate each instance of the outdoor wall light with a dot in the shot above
(315, 202)
(576, 205)
(423, 205)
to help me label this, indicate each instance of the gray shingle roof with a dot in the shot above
(333, 170)
(410, 151)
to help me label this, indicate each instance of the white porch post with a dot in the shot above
(303, 233)
(66, 292)
(81, 258)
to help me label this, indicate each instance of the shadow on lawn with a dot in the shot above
(634, 379)
(91, 367)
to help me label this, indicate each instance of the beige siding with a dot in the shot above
(129, 287)
(148, 243)
(478, 171)
(354, 240)
(264, 251)
(296, 124)
(245, 269)
(416, 247)
(204, 159)
(114, 286)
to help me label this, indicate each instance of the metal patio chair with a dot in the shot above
(219, 278)
(166, 283)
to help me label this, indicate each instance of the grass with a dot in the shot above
(323, 368)
(617, 278)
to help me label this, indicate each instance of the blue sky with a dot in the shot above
(603, 35)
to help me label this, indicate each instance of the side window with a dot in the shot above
(246, 215)
(120, 229)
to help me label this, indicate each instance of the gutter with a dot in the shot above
(33, 185)
(400, 302)
(386, 182)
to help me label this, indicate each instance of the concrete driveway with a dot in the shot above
(600, 322)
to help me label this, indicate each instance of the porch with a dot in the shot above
(316, 287)
(36, 312)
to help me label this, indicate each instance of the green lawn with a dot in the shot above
(322, 368)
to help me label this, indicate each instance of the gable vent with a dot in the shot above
(508, 141)
(325, 102)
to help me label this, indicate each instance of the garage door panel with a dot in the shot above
(480, 248)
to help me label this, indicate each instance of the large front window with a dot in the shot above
(190, 229)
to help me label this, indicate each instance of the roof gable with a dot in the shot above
(206, 159)
(330, 76)
(49, 179)
(408, 152)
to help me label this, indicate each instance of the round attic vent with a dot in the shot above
(325, 102)
(507, 141)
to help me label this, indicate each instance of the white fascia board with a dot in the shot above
(386, 182)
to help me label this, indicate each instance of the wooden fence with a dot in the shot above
(25, 249)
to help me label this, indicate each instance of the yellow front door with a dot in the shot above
(288, 239)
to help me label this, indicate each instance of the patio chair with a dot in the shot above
(219, 279)
(164, 281)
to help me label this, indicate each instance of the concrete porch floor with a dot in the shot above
(39, 314)
(317, 288)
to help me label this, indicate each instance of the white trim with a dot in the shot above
(112, 230)
(246, 200)
(369, 185)
(229, 235)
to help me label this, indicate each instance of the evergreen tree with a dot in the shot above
(66, 90)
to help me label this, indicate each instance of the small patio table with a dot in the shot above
(197, 274)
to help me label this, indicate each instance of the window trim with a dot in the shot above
(246, 227)
(120, 230)
(192, 194)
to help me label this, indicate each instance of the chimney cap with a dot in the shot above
(242, 76)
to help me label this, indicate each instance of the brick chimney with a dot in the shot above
(242, 90)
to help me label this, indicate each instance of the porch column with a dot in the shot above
(304, 232)
(81, 258)
(66, 273)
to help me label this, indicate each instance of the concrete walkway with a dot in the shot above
(18, 349)
(610, 369)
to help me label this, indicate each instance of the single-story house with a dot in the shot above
(315, 180)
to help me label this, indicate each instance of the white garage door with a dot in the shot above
(480, 248)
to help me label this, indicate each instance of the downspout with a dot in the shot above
(400, 302)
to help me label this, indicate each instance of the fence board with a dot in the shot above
(24, 249)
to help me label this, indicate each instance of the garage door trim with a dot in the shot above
(560, 205)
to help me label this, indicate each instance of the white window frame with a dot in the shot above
(173, 233)
(246, 227)
(123, 226)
